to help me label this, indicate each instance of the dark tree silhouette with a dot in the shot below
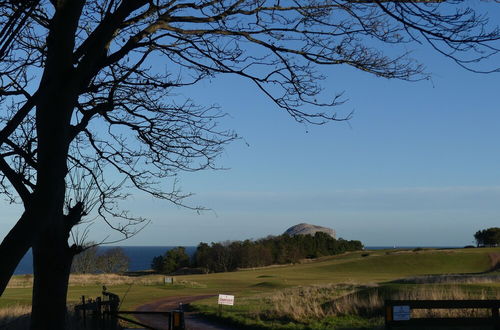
(175, 259)
(488, 237)
(157, 264)
(88, 88)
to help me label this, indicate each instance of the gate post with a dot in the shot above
(388, 315)
(177, 320)
(84, 312)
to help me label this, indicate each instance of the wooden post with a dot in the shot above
(84, 312)
(98, 313)
(115, 303)
(177, 320)
(98, 301)
(388, 315)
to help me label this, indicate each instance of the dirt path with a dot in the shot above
(192, 320)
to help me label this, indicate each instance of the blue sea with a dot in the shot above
(141, 256)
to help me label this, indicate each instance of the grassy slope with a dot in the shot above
(379, 266)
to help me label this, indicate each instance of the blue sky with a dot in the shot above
(417, 165)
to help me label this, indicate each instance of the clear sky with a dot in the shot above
(417, 165)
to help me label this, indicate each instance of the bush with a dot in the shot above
(173, 260)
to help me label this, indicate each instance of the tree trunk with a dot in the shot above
(51, 254)
(47, 231)
(52, 262)
(13, 248)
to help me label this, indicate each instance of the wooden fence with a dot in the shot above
(398, 313)
(103, 313)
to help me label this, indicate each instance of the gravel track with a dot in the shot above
(193, 321)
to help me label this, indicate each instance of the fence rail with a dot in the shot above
(398, 313)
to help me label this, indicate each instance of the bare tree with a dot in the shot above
(93, 260)
(113, 260)
(85, 262)
(88, 88)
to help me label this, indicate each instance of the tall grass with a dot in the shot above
(371, 302)
(26, 281)
(17, 317)
(443, 279)
(305, 303)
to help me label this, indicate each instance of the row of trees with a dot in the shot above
(488, 237)
(92, 261)
(229, 256)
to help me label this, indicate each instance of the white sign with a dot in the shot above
(225, 299)
(401, 313)
(169, 280)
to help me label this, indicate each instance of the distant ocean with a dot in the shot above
(141, 256)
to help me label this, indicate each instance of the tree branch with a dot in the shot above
(16, 180)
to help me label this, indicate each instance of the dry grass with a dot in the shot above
(20, 281)
(316, 302)
(17, 317)
(190, 284)
(26, 281)
(449, 279)
(306, 302)
(371, 303)
(114, 279)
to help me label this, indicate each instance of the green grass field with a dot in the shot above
(252, 286)
(379, 266)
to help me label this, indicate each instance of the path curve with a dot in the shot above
(193, 320)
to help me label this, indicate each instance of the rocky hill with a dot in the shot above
(305, 229)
